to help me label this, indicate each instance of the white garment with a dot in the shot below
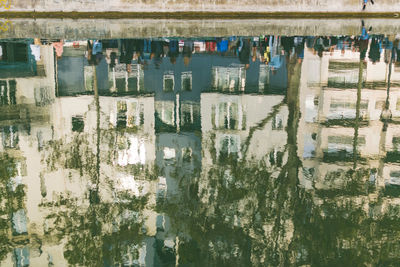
(1, 51)
(35, 50)
(200, 45)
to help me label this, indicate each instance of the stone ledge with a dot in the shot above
(141, 28)
(196, 6)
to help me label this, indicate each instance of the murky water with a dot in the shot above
(230, 151)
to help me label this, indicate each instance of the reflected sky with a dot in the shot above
(215, 151)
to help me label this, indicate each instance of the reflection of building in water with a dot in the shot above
(122, 81)
(177, 90)
(179, 142)
(52, 142)
(57, 155)
(327, 142)
(127, 149)
(75, 75)
(20, 58)
(237, 121)
(27, 92)
(230, 79)
(26, 80)
(237, 124)
(345, 154)
(238, 129)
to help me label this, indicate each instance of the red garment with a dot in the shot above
(211, 46)
(59, 48)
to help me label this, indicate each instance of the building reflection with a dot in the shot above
(120, 142)
(330, 109)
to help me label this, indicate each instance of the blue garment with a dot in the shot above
(276, 62)
(147, 46)
(97, 48)
(173, 46)
(340, 45)
(300, 53)
(146, 49)
(387, 44)
(364, 34)
(240, 44)
(222, 46)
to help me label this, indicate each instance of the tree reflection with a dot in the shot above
(97, 230)
(229, 210)
(11, 200)
(242, 213)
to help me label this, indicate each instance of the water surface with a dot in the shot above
(200, 151)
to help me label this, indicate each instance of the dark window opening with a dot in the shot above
(77, 124)
(14, 52)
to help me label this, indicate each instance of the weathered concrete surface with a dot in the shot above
(203, 5)
(127, 28)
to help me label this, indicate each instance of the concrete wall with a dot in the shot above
(145, 28)
(203, 5)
